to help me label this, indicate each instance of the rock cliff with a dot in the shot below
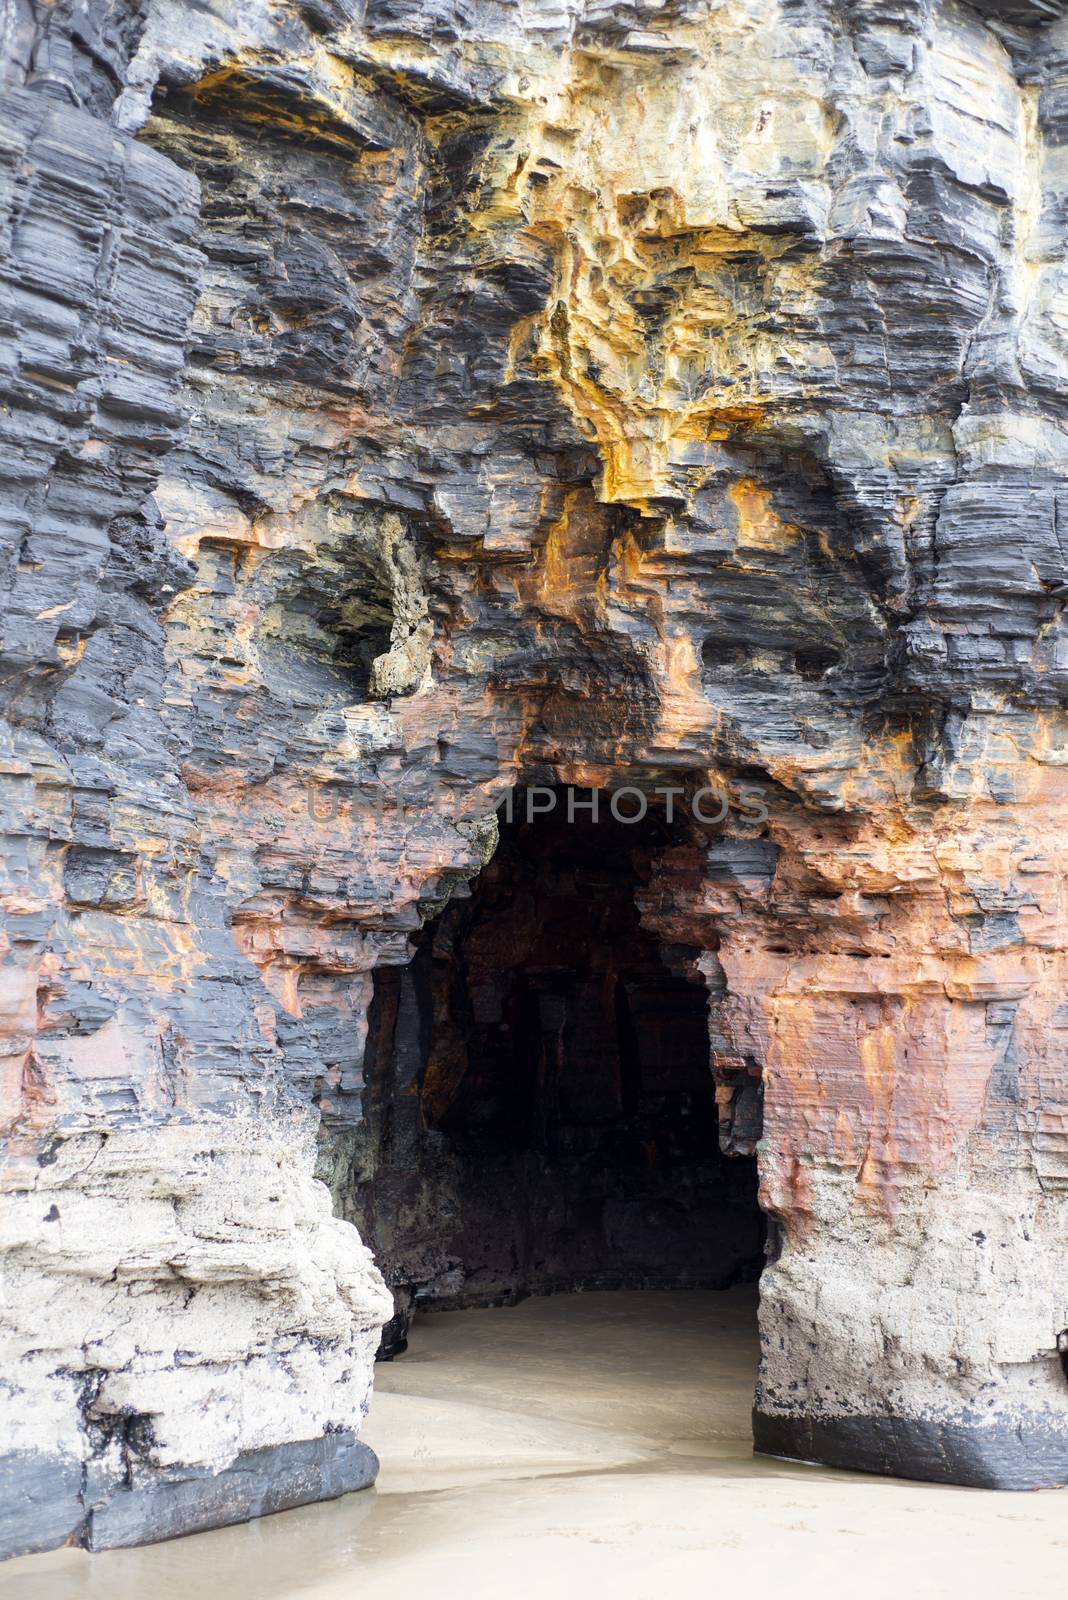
(409, 400)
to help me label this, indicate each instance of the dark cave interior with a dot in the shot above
(540, 1108)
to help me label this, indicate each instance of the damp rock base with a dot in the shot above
(405, 403)
(48, 1503)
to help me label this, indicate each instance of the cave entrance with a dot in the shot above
(541, 1108)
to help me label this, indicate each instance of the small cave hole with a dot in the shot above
(321, 640)
(815, 661)
(718, 653)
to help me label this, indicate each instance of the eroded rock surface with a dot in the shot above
(403, 401)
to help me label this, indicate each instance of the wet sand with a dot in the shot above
(590, 1446)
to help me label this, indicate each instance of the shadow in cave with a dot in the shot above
(541, 1109)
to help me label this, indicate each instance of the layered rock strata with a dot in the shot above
(403, 401)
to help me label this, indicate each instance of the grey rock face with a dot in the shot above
(41, 1500)
(1029, 1453)
(54, 1501)
(256, 1483)
(407, 401)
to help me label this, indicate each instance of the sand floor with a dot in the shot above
(592, 1446)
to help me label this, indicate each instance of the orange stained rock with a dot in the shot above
(759, 527)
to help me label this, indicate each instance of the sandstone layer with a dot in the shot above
(409, 400)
